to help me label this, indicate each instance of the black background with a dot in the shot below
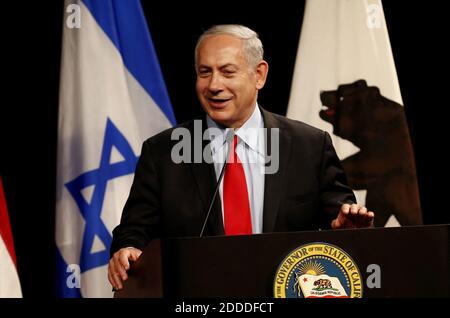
(31, 47)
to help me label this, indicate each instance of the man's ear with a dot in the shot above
(261, 74)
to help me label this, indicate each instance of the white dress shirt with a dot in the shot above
(251, 152)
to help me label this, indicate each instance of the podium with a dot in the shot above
(413, 262)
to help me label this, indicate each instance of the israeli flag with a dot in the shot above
(112, 97)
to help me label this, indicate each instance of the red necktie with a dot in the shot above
(235, 196)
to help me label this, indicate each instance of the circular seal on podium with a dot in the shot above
(318, 270)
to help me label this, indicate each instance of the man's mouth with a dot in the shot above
(218, 102)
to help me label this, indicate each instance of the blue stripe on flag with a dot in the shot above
(124, 23)
(62, 290)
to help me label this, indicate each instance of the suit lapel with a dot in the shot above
(205, 177)
(273, 183)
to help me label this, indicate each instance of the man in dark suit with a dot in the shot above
(307, 190)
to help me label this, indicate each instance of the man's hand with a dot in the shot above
(353, 216)
(119, 265)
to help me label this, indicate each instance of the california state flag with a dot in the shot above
(321, 286)
(345, 82)
(9, 279)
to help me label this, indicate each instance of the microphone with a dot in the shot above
(228, 140)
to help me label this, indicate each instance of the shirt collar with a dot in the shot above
(249, 132)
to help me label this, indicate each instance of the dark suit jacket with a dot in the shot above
(171, 200)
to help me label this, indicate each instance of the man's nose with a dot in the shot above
(215, 83)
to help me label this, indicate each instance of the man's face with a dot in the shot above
(227, 86)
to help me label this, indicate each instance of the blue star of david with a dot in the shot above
(99, 178)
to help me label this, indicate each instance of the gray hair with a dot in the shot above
(253, 48)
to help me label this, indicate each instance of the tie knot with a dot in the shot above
(235, 141)
(233, 157)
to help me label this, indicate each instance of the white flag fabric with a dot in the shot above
(345, 82)
(321, 286)
(9, 279)
(112, 98)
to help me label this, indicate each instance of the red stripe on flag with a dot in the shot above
(5, 228)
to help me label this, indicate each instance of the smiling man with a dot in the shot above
(307, 192)
(229, 77)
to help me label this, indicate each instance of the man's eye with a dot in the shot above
(204, 73)
(228, 73)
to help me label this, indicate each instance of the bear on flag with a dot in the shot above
(345, 82)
